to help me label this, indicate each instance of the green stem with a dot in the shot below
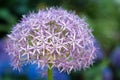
(50, 75)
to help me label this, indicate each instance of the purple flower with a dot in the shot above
(52, 37)
(115, 57)
(60, 76)
(107, 74)
(4, 59)
(99, 51)
(29, 71)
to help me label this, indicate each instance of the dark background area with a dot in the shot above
(103, 17)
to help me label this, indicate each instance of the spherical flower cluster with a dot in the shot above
(53, 37)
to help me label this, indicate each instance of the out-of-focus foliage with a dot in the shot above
(103, 17)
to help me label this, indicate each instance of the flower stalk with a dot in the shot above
(50, 74)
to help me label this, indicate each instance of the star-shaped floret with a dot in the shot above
(74, 41)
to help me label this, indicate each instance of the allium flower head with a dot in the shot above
(52, 38)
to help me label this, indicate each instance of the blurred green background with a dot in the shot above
(103, 17)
